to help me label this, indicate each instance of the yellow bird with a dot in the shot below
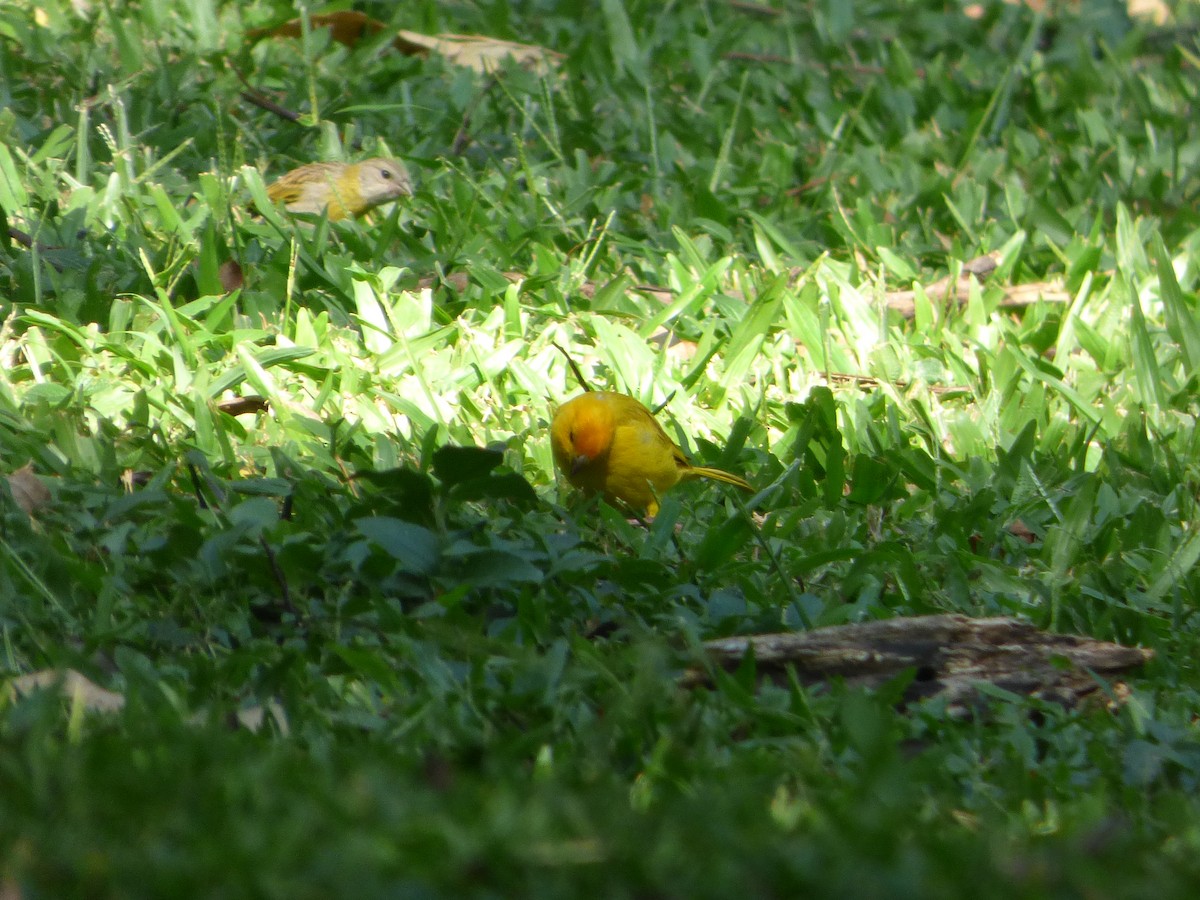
(609, 443)
(343, 189)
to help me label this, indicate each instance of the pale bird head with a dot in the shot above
(383, 180)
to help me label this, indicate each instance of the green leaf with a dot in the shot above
(491, 568)
(506, 486)
(689, 298)
(13, 196)
(265, 359)
(455, 465)
(722, 542)
(1180, 565)
(1182, 322)
(1145, 365)
(626, 53)
(870, 480)
(410, 492)
(414, 547)
(748, 337)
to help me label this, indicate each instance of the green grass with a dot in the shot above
(475, 670)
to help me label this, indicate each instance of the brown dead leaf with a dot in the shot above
(1121, 694)
(230, 274)
(239, 406)
(460, 281)
(457, 281)
(347, 27)
(1021, 530)
(29, 491)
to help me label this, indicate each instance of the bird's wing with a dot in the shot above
(285, 190)
(660, 436)
(290, 187)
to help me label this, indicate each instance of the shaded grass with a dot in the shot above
(477, 671)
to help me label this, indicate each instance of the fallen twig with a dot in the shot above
(949, 656)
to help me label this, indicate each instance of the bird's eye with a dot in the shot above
(571, 435)
(385, 173)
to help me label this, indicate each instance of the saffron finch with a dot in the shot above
(342, 189)
(609, 443)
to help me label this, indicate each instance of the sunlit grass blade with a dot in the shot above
(1148, 375)
(1182, 322)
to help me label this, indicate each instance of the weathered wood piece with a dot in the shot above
(952, 656)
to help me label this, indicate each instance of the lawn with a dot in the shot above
(281, 496)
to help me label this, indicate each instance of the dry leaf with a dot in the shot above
(1156, 11)
(29, 491)
(93, 698)
(230, 274)
(132, 479)
(253, 718)
(1021, 530)
(241, 405)
(478, 52)
(483, 54)
(347, 27)
(70, 683)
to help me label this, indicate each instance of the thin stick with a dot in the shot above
(26, 240)
(259, 99)
(462, 137)
(757, 9)
(574, 368)
(285, 594)
(270, 106)
(23, 238)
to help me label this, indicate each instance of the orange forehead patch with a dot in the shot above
(591, 431)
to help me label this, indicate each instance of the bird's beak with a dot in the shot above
(579, 462)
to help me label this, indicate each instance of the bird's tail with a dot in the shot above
(718, 475)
